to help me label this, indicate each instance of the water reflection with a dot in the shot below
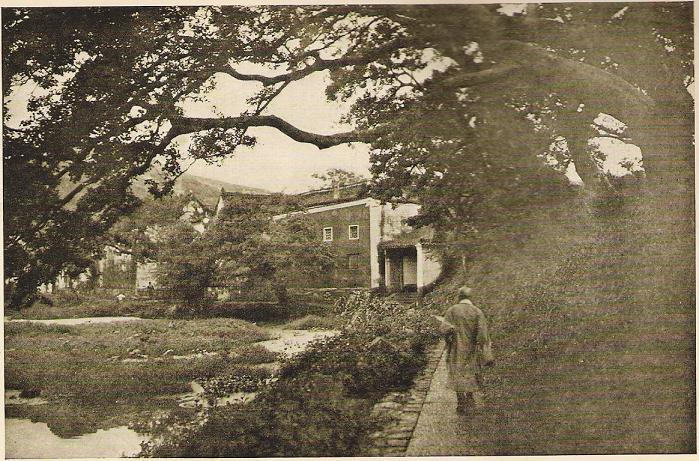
(35, 428)
(26, 439)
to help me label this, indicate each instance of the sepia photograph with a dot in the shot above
(349, 230)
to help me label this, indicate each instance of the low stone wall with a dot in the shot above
(401, 411)
(323, 295)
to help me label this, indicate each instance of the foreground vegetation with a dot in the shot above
(99, 376)
(321, 403)
(101, 364)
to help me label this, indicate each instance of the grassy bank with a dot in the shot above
(592, 314)
(127, 361)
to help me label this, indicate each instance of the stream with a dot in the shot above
(28, 436)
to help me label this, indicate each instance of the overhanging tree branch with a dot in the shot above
(184, 125)
(495, 73)
(318, 65)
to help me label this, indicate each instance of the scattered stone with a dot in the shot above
(29, 393)
(388, 405)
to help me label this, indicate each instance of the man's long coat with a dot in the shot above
(466, 332)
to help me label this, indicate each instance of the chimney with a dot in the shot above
(336, 191)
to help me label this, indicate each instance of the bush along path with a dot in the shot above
(399, 411)
(321, 404)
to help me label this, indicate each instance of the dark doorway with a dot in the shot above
(401, 269)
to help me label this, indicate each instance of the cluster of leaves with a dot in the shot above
(244, 248)
(295, 417)
(368, 314)
(466, 110)
(138, 231)
(186, 266)
(251, 381)
(361, 362)
(321, 401)
(69, 165)
(338, 177)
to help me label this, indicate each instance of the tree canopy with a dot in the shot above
(243, 248)
(338, 177)
(461, 104)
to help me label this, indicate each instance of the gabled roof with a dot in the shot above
(330, 195)
(272, 203)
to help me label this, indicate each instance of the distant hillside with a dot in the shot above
(205, 189)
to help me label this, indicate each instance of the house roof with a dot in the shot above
(272, 203)
(330, 195)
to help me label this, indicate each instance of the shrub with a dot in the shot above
(365, 366)
(320, 405)
(237, 378)
(370, 315)
(296, 417)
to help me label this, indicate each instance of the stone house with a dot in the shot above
(377, 249)
(116, 269)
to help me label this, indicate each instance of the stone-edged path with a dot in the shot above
(423, 421)
(440, 431)
(401, 411)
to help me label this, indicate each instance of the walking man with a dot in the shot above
(468, 349)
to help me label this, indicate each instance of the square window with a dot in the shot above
(327, 234)
(354, 232)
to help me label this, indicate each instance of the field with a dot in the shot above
(105, 372)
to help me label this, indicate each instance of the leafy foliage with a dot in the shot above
(186, 266)
(252, 248)
(321, 402)
(461, 104)
(139, 230)
(338, 177)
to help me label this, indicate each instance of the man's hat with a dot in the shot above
(464, 292)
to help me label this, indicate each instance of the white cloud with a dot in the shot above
(510, 9)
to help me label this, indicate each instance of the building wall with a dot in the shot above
(355, 252)
(428, 266)
(116, 269)
(393, 219)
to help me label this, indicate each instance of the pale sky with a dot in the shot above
(278, 163)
